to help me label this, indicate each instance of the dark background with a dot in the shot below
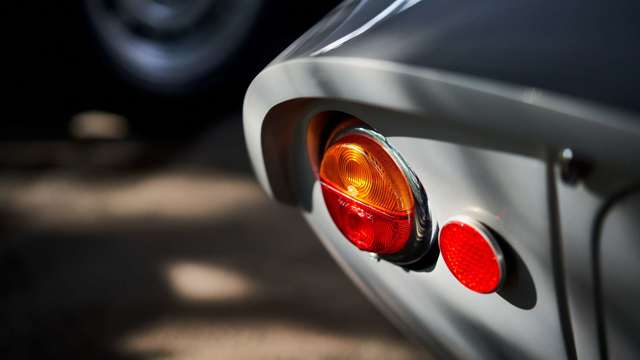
(157, 243)
(57, 69)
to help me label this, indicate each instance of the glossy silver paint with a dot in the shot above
(484, 144)
(620, 251)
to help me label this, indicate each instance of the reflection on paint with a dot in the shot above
(394, 8)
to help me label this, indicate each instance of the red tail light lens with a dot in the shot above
(367, 194)
(367, 227)
(472, 255)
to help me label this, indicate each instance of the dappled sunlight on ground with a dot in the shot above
(60, 200)
(189, 260)
(267, 340)
(205, 282)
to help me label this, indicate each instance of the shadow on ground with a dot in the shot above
(189, 260)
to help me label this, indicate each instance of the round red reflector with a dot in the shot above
(367, 193)
(472, 255)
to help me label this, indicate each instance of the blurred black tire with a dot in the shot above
(69, 61)
(175, 46)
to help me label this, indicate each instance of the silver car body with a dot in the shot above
(492, 105)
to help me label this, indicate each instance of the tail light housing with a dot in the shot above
(375, 200)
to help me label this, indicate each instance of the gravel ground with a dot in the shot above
(188, 260)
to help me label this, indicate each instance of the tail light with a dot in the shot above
(374, 198)
(472, 255)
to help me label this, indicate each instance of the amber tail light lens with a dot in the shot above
(369, 194)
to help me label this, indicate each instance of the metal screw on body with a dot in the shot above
(572, 169)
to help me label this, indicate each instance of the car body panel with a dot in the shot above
(620, 271)
(520, 322)
(481, 144)
(579, 48)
